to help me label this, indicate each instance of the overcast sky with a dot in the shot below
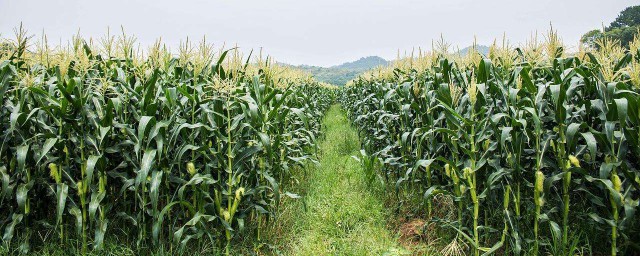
(321, 32)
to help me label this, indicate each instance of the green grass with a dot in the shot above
(342, 216)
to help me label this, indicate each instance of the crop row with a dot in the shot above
(537, 149)
(96, 143)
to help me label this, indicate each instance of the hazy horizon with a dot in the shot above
(323, 33)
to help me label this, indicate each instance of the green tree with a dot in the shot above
(623, 34)
(591, 37)
(629, 17)
(623, 28)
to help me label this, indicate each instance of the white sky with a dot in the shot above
(321, 32)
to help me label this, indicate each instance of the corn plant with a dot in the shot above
(513, 137)
(174, 150)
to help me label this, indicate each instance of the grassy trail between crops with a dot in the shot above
(342, 216)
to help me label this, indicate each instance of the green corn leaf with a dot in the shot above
(10, 228)
(50, 143)
(148, 160)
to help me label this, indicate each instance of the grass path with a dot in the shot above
(342, 216)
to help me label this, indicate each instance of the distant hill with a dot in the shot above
(341, 74)
(483, 49)
(364, 63)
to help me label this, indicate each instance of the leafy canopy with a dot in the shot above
(622, 29)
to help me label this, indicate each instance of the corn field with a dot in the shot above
(536, 147)
(98, 140)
